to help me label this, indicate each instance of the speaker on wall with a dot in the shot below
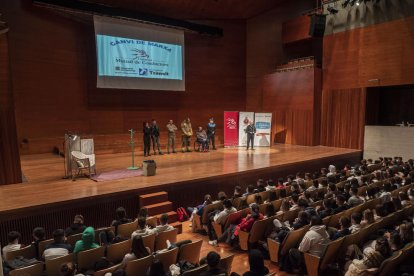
(317, 26)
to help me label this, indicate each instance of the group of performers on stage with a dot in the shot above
(152, 135)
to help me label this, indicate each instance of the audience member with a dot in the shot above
(58, 248)
(138, 251)
(143, 229)
(13, 238)
(214, 269)
(38, 235)
(87, 242)
(164, 226)
(356, 219)
(77, 227)
(121, 218)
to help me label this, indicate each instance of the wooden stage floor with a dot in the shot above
(45, 185)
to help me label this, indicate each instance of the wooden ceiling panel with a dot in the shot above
(197, 9)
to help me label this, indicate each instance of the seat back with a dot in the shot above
(334, 221)
(107, 270)
(348, 240)
(208, 209)
(259, 229)
(161, 239)
(389, 266)
(290, 215)
(42, 246)
(191, 252)
(103, 229)
(233, 218)
(87, 259)
(149, 241)
(116, 252)
(226, 262)
(152, 222)
(125, 230)
(168, 258)
(139, 267)
(72, 239)
(32, 270)
(196, 271)
(29, 252)
(53, 265)
(331, 253)
(277, 203)
(293, 239)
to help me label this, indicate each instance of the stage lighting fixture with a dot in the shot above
(332, 10)
(345, 3)
(352, 3)
(357, 2)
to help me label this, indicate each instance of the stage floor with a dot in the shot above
(45, 184)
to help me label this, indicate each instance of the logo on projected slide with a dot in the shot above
(137, 53)
(143, 71)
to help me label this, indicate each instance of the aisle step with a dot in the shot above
(159, 208)
(153, 198)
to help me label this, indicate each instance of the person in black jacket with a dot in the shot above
(155, 137)
(211, 133)
(147, 139)
(250, 131)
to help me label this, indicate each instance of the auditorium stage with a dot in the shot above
(186, 177)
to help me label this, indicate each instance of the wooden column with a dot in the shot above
(10, 170)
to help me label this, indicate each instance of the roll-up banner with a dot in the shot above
(231, 128)
(263, 122)
(244, 119)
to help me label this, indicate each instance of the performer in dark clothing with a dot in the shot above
(250, 131)
(211, 133)
(155, 137)
(147, 139)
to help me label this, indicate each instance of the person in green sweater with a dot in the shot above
(87, 242)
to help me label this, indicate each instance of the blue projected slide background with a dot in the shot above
(126, 57)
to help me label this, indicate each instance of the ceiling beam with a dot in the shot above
(104, 10)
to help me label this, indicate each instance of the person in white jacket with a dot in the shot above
(219, 218)
(314, 242)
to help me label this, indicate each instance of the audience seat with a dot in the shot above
(53, 265)
(87, 259)
(116, 252)
(139, 267)
(29, 252)
(246, 239)
(107, 270)
(33, 270)
(226, 263)
(42, 246)
(125, 230)
(168, 258)
(149, 241)
(196, 271)
(72, 239)
(161, 239)
(191, 252)
(316, 263)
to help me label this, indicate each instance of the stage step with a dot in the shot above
(159, 208)
(172, 216)
(153, 198)
(178, 225)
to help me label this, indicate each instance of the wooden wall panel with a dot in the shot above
(383, 51)
(343, 118)
(54, 77)
(10, 171)
(296, 29)
(294, 99)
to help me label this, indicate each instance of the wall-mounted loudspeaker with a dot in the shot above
(317, 26)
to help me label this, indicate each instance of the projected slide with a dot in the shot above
(126, 57)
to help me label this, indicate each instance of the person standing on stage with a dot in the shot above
(250, 131)
(147, 139)
(155, 137)
(171, 136)
(211, 133)
(202, 139)
(186, 136)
